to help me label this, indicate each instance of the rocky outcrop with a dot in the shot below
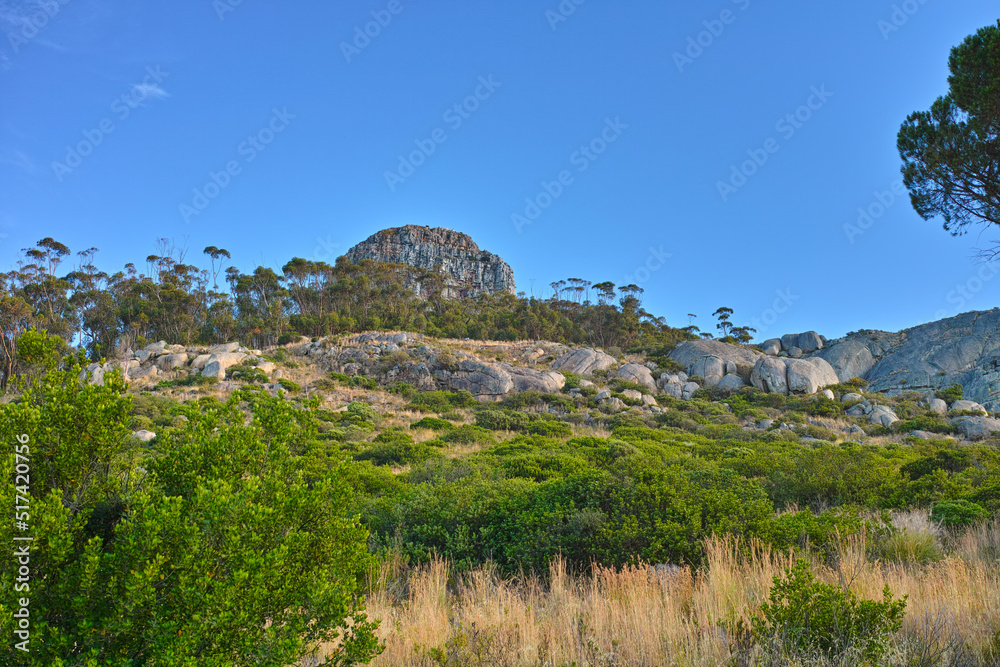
(849, 359)
(769, 375)
(779, 375)
(968, 406)
(686, 353)
(638, 374)
(731, 383)
(467, 271)
(527, 379)
(584, 361)
(713, 369)
(976, 428)
(964, 350)
(220, 362)
(809, 341)
(479, 379)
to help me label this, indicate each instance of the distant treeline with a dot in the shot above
(107, 313)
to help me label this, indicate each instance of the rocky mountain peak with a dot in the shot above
(467, 270)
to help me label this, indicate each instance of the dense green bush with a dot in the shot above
(502, 420)
(247, 372)
(433, 423)
(395, 447)
(809, 619)
(467, 434)
(550, 428)
(289, 386)
(179, 564)
(951, 394)
(957, 512)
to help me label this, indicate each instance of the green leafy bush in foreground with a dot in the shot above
(224, 553)
(805, 618)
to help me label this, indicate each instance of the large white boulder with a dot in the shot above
(884, 415)
(638, 374)
(218, 363)
(527, 379)
(584, 361)
(968, 406)
(169, 362)
(200, 361)
(731, 383)
(711, 368)
(976, 428)
(769, 375)
(783, 375)
(807, 376)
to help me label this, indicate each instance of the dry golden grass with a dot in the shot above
(675, 616)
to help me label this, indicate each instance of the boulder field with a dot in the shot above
(963, 350)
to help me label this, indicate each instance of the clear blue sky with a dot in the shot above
(184, 86)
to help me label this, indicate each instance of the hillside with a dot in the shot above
(507, 455)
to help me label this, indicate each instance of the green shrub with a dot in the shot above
(340, 377)
(363, 382)
(288, 337)
(364, 412)
(550, 428)
(821, 406)
(818, 432)
(957, 512)
(434, 424)
(951, 394)
(395, 447)
(192, 380)
(404, 389)
(247, 372)
(178, 566)
(501, 420)
(468, 434)
(930, 422)
(809, 619)
(289, 386)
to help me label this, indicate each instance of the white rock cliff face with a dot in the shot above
(468, 271)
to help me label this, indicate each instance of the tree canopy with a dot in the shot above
(951, 152)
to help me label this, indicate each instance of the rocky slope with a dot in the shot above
(960, 350)
(467, 270)
(964, 350)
